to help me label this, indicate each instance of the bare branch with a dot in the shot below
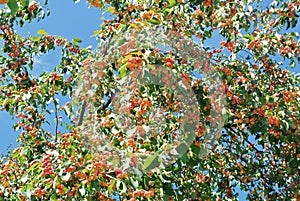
(84, 105)
(56, 116)
(81, 114)
(232, 130)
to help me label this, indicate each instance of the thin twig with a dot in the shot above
(107, 104)
(84, 105)
(248, 52)
(263, 166)
(81, 114)
(56, 116)
(7, 148)
(231, 129)
(109, 101)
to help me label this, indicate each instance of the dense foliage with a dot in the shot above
(258, 150)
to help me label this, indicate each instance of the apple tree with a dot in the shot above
(256, 141)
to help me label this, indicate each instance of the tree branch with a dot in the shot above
(108, 103)
(7, 148)
(81, 114)
(56, 116)
(84, 105)
(232, 130)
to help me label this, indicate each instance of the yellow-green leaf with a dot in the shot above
(110, 9)
(112, 183)
(42, 32)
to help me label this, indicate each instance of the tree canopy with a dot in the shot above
(250, 103)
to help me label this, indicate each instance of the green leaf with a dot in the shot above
(13, 6)
(112, 183)
(154, 21)
(97, 32)
(249, 36)
(36, 38)
(294, 22)
(24, 3)
(182, 148)
(185, 158)
(76, 41)
(134, 183)
(207, 33)
(195, 149)
(95, 184)
(293, 163)
(123, 71)
(163, 179)
(151, 162)
(288, 25)
(42, 32)
(29, 154)
(32, 167)
(203, 151)
(292, 64)
(172, 3)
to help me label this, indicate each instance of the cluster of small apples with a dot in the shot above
(47, 166)
(4, 1)
(95, 3)
(141, 194)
